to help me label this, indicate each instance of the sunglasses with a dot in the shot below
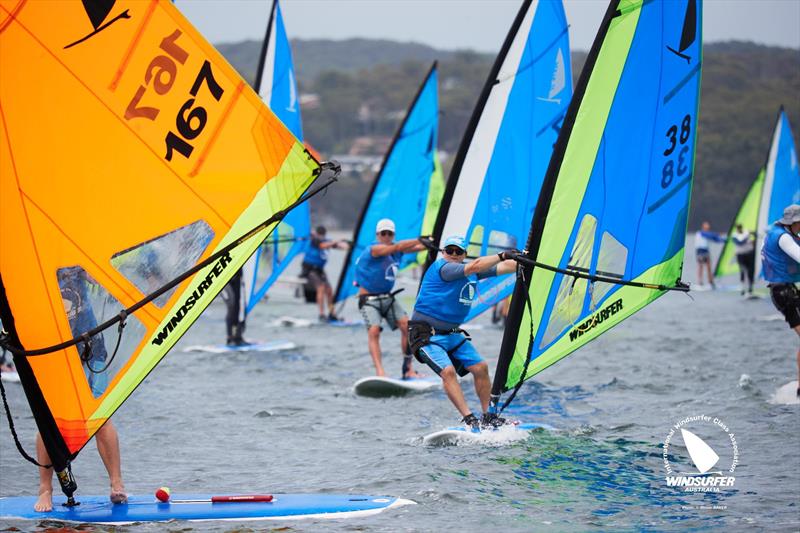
(385, 233)
(454, 250)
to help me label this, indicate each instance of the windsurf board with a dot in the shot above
(196, 507)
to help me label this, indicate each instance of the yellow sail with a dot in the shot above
(129, 152)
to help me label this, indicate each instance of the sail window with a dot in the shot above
(499, 241)
(87, 304)
(152, 264)
(475, 243)
(571, 294)
(286, 239)
(611, 261)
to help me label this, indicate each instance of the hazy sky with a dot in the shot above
(476, 24)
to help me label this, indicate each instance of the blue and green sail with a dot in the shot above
(276, 84)
(776, 186)
(500, 166)
(607, 236)
(409, 184)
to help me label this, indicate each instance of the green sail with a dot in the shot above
(748, 218)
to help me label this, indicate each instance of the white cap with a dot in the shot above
(384, 224)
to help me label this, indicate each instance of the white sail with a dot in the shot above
(703, 457)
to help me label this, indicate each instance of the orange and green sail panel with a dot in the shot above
(130, 152)
(607, 235)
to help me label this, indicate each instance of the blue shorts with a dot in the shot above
(435, 353)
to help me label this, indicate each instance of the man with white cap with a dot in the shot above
(444, 300)
(375, 273)
(780, 256)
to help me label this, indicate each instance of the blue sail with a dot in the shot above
(405, 187)
(502, 161)
(277, 86)
(608, 234)
(781, 180)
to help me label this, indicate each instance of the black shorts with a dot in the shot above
(703, 256)
(786, 298)
(315, 275)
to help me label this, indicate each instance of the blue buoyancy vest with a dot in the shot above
(314, 255)
(448, 301)
(377, 274)
(777, 266)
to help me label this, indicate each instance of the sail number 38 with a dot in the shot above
(191, 118)
(676, 137)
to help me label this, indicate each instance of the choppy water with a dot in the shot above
(289, 423)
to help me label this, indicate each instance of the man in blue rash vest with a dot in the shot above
(444, 299)
(313, 269)
(375, 273)
(702, 251)
(780, 256)
(744, 242)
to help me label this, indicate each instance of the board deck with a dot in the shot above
(98, 509)
(786, 395)
(257, 346)
(382, 387)
(457, 435)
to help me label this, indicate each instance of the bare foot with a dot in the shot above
(45, 502)
(380, 373)
(413, 374)
(118, 495)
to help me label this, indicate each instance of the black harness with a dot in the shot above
(419, 336)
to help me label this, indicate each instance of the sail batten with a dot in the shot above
(615, 197)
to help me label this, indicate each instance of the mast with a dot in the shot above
(469, 133)
(262, 58)
(376, 181)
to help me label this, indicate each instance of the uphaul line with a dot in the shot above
(202, 287)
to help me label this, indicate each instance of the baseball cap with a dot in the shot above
(384, 224)
(455, 240)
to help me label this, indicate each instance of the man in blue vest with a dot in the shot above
(444, 300)
(313, 269)
(376, 269)
(780, 256)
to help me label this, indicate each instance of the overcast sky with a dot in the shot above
(475, 24)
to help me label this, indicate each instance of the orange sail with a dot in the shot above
(130, 151)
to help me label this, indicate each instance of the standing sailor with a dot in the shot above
(375, 274)
(702, 251)
(780, 256)
(234, 317)
(444, 300)
(313, 269)
(744, 241)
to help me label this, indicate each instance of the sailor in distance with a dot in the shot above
(375, 273)
(744, 241)
(780, 256)
(444, 300)
(702, 251)
(313, 269)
